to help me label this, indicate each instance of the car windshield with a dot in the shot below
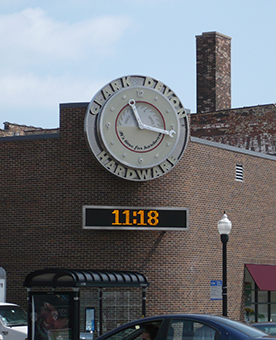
(13, 316)
(239, 326)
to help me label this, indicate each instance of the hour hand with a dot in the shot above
(165, 132)
(136, 113)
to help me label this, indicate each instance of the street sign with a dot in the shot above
(216, 289)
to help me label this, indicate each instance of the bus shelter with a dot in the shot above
(54, 299)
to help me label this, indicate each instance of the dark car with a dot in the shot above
(267, 327)
(184, 327)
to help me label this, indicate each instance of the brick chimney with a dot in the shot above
(213, 61)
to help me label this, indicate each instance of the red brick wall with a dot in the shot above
(252, 128)
(45, 183)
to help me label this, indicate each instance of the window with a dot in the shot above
(137, 332)
(259, 305)
(13, 316)
(191, 330)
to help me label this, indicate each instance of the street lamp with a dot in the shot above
(224, 228)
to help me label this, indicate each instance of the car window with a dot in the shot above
(191, 330)
(13, 316)
(138, 332)
(269, 329)
(239, 326)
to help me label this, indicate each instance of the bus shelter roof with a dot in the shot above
(58, 277)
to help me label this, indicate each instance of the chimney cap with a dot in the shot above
(214, 33)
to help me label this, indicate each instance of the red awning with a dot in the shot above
(264, 275)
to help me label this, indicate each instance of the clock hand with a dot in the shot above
(147, 127)
(165, 132)
(136, 113)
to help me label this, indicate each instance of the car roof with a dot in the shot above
(202, 317)
(7, 304)
(219, 321)
(186, 315)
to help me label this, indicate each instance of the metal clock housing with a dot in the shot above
(137, 128)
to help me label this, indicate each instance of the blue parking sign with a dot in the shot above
(216, 289)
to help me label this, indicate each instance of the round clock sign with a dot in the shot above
(137, 128)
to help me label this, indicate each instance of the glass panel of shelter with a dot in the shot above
(259, 305)
(120, 306)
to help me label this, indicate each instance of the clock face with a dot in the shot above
(137, 128)
(133, 146)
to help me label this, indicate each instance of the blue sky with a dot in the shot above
(62, 51)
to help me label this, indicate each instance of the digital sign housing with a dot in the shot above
(135, 218)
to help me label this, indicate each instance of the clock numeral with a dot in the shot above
(140, 93)
(142, 217)
(126, 213)
(152, 217)
(116, 213)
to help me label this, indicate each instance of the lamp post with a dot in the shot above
(224, 228)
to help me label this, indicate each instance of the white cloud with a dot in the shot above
(33, 100)
(32, 34)
(43, 60)
(30, 91)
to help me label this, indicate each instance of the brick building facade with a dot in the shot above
(48, 177)
(251, 128)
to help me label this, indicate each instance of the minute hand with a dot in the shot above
(165, 132)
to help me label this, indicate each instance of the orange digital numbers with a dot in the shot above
(152, 217)
(116, 213)
(133, 217)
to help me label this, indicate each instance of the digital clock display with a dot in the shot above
(135, 218)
